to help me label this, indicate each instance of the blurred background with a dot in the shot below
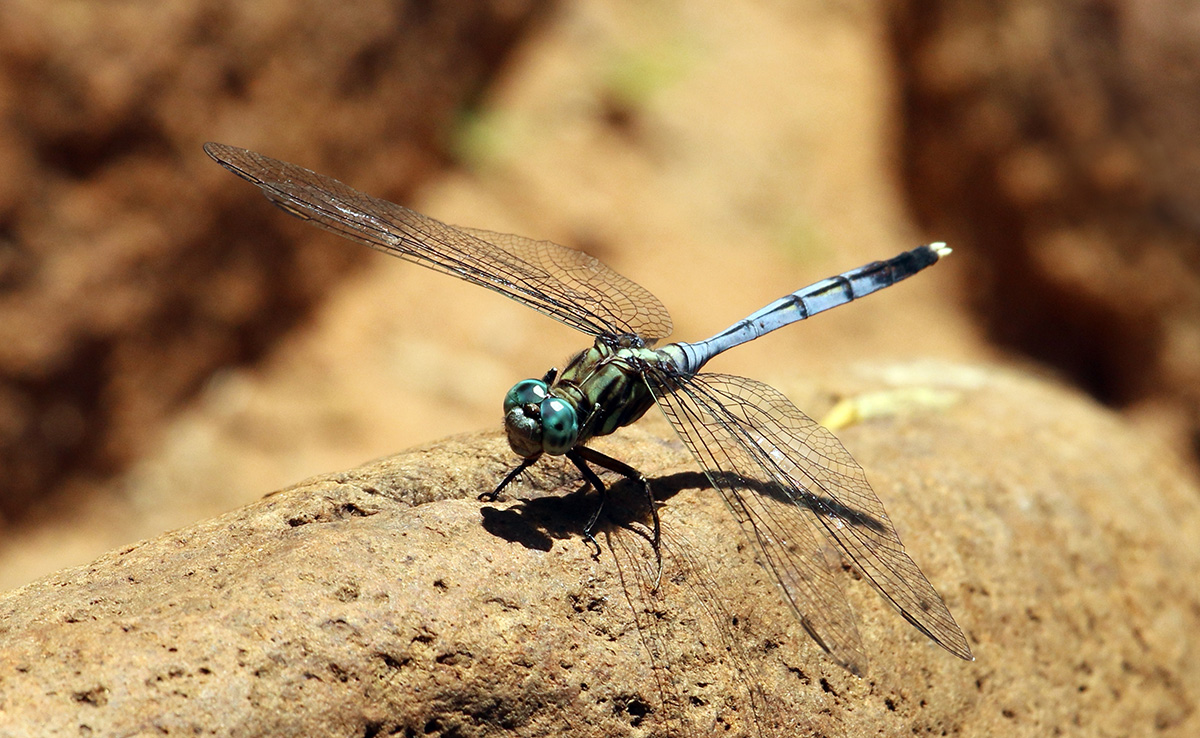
(171, 346)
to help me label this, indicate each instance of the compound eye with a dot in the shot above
(560, 427)
(525, 392)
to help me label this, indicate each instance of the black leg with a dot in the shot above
(491, 496)
(591, 478)
(603, 460)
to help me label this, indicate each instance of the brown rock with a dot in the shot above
(386, 600)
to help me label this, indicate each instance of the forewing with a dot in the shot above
(791, 477)
(565, 284)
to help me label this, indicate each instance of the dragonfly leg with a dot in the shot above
(491, 496)
(589, 454)
(593, 479)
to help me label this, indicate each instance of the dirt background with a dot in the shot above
(173, 347)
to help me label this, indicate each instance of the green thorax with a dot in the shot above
(605, 387)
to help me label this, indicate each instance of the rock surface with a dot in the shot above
(386, 600)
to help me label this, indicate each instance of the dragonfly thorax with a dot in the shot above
(599, 391)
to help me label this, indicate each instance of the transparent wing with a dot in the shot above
(801, 499)
(565, 284)
(695, 650)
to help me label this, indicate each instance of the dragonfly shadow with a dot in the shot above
(537, 522)
(668, 486)
(822, 505)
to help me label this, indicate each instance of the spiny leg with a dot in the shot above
(627, 471)
(491, 496)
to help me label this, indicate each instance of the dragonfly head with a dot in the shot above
(537, 422)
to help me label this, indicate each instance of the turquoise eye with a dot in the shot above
(525, 392)
(560, 427)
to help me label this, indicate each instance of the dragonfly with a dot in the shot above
(803, 503)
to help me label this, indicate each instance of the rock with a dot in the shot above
(387, 600)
